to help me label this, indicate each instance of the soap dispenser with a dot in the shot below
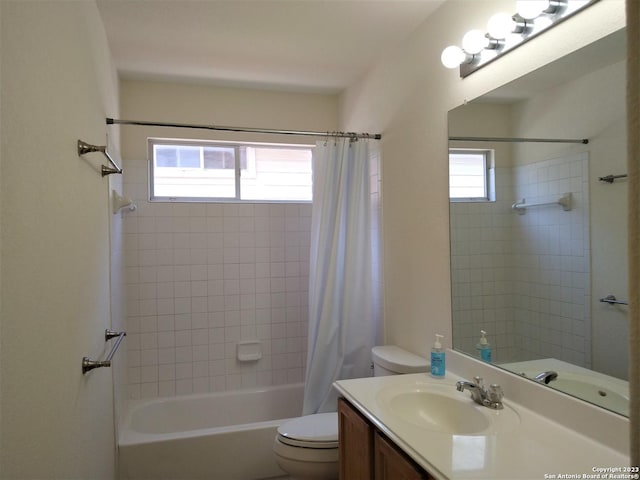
(484, 347)
(438, 358)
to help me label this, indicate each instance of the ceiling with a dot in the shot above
(295, 45)
(594, 56)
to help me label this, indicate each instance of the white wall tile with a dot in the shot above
(201, 277)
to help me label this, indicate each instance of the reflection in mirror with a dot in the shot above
(532, 277)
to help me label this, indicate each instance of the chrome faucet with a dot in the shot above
(489, 397)
(546, 377)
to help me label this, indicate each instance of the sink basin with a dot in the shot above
(438, 412)
(441, 408)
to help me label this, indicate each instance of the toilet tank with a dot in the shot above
(393, 360)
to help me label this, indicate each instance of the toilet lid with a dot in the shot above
(314, 431)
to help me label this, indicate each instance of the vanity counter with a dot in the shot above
(538, 448)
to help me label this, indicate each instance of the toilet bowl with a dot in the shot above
(307, 447)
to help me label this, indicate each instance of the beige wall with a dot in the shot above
(57, 87)
(406, 97)
(483, 120)
(209, 105)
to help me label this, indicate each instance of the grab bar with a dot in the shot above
(612, 300)
(88, 364)
(565, 201)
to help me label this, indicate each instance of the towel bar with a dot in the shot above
(84, 148)
(565, 201)
(612, 300)
(612, 178)
(88, 364)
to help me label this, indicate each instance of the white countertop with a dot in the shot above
(538, 448)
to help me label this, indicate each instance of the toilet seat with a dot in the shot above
(318, 431)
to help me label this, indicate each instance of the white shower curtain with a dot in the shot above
(344, 278)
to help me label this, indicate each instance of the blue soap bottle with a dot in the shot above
(438, 364)
(484, 347)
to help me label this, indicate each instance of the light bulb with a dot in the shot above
(500, 25)
(530, 9)
(474, 41)
(452, 56)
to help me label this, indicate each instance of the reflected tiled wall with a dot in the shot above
(482, 286)
(525, 278)
(201, 277)
(552, 262)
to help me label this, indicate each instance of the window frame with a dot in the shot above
(489, 174)
(237, 171)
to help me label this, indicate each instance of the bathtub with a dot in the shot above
(594, 387)
(215, 436)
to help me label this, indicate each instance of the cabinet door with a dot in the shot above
(393, 464)
(355, 444)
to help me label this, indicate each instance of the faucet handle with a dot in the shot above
(494, 396)
(495, 393)
(478, 381)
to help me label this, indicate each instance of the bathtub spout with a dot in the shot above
(546, 377)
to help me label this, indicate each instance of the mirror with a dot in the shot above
(531, 261)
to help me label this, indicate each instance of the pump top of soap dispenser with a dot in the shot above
(483, 347)
(438, 361)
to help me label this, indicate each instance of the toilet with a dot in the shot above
(306, 448)
(392, 360)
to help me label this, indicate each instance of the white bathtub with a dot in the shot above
(216, 436)
(594, 387)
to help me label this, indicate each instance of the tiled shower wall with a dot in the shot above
(552, 262)
(481, 272)
(525, 278)
(201, 277)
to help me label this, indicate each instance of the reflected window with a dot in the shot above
(471, 175)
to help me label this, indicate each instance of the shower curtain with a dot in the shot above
(344, 277)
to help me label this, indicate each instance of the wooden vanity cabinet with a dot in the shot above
(391, 463)
(367, 454)
(355, 443)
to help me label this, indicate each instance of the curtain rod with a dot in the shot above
(515, 139)
(376, 136)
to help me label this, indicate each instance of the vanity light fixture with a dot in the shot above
(506, 32)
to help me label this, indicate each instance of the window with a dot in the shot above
(471, 175)
(212, 171)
